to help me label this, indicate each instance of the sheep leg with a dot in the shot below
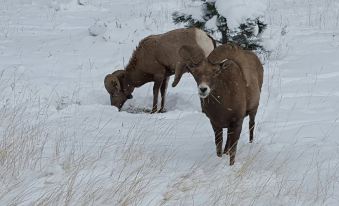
(234, 131)
(156, 88)
(158, 79)
(252, 115)
(163, 94)
(218, 139)
(227, 146)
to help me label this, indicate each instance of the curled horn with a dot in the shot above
(190, 57)
(179, 71)
(112, 82)
(116, 82)
(221, 53)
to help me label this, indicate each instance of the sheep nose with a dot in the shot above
(203, 89)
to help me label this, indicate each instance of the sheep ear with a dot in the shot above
(191, 55)
(219, 54)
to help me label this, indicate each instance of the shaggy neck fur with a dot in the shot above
(132, 61)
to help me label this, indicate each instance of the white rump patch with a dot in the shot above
(204, 42)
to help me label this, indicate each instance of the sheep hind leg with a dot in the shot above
(156, 87)
(251, 125)
(163, 94)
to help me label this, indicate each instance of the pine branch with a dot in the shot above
(187, 19)
(247, 35)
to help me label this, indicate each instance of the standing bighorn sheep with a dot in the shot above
(229, 85)
(154, 60)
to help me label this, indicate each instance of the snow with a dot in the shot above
(61, 143)
(212, 24)
(55, 5)
(98, 28)
(83, 2)
(194, 10)
(238, 11)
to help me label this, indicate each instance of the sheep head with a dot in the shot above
(113, 84)
(203, 70)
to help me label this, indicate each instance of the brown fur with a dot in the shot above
(154, 60)
(235, 91)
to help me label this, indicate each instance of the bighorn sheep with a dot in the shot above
(229, 85)
(155, 59)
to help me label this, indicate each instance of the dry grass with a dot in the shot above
(44, 161)
(50, 163)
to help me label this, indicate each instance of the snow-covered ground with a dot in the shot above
(61, 143)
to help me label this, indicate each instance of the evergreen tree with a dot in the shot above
(247, 35)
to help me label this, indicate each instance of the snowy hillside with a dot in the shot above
(61, 143)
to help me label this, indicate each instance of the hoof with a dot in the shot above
(219, 153)
(226, 151)
(232, 160)
(154, 111)
(162, 111)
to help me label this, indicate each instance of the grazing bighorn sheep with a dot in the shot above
(155, 59)
(229, 85)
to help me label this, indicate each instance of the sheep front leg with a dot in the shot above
(234, 133)
(156, 88)
(163, 94)
(227, 146)
(218, 139)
